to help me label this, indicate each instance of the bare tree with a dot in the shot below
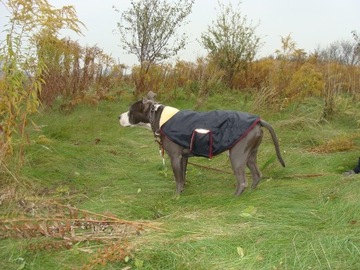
(231, 41)
(357, 45)
(345, 52)
(149, 28)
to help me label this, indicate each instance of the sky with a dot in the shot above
(311, 23)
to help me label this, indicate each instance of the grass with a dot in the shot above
(304, 216)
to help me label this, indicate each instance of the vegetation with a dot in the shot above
(83, 167)
(79, 192)
(231, 42)
(32, 25)
(148, 30)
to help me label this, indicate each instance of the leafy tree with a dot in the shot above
(21, 68)
(148, 30)
(231, 41)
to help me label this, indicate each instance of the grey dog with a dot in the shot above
(203, 134)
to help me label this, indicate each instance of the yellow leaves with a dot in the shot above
(21, 55)
(37, 14)
(305, 82)
(248, 212)
(240, 252)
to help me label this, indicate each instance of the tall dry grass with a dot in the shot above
(74, 72)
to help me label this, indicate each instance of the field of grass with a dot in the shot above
(304, 216)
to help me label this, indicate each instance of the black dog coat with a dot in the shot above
(208, 133)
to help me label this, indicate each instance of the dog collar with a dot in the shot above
(166, 114)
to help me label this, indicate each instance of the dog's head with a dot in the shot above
(138, 113)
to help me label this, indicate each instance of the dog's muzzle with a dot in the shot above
(125, 122)
(124, 119)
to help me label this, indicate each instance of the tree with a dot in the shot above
(148, 30)
(345, 52)
(231, 41)
(357, 41)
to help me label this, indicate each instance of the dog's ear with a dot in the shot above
(151, 95)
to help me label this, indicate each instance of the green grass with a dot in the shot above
(304, 216)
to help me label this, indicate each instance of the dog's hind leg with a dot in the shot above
(241, 179)
(238, 158)
(244, 154)
(254, 169)
(184, 162)
(252, 164)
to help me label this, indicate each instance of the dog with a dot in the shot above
(203, 134)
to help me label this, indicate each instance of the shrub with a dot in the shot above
(305, 82)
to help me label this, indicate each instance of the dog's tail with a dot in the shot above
(275, 140)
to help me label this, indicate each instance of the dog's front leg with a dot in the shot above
(178, 167)
(178, 162)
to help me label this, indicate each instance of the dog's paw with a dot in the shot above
(348, 173)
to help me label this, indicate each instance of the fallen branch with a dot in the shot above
(112, 218)
(69, 222)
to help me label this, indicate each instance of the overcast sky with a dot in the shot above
(311, 23)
